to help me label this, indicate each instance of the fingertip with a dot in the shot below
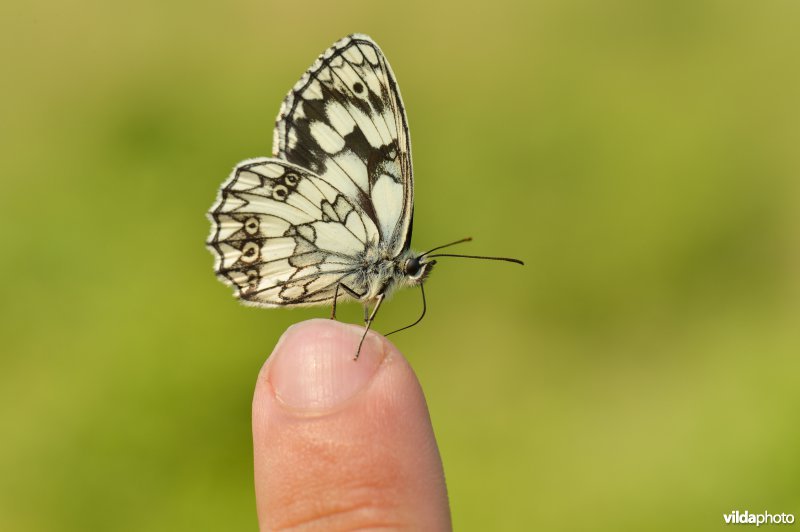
(312, 367)
(343, 443)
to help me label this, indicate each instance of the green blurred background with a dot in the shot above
(640, 373)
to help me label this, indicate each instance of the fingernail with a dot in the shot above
(312, 366)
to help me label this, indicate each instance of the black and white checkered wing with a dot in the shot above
(345, 122)
(283, 236)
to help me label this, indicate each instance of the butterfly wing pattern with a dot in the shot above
(333, 207)
(344, 120)
(334, 204)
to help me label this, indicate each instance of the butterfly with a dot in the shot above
(329, 215)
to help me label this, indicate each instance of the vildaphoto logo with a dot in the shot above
(746, 518)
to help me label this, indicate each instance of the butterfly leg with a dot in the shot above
(424, 309)
(369, 323)
(349, 291)
(335, 297)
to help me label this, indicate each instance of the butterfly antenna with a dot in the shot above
(468, 239)
(506, 259)
(424, 308)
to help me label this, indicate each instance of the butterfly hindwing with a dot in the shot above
(284, 236)
(344, 121)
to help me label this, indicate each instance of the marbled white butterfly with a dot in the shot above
(329, 215)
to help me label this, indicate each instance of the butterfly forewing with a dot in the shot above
(344, 121)
(284, 236)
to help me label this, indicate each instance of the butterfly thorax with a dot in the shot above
(382, 274)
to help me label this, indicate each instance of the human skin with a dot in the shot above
(342, 444)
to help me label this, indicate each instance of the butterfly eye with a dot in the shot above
(412, 267)
(280, 192)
